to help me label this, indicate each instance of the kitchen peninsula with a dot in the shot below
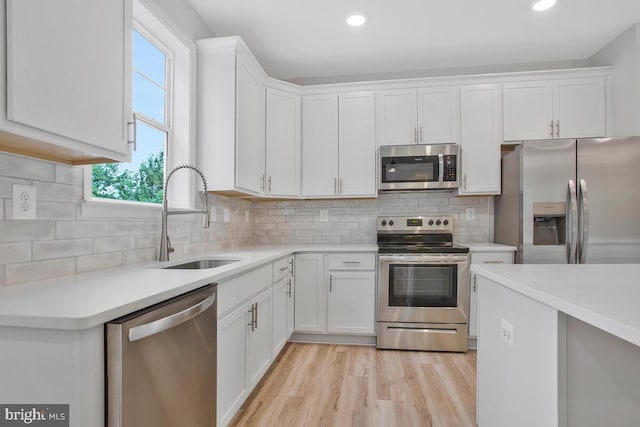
(558, 345)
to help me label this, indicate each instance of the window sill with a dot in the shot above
(104, 208)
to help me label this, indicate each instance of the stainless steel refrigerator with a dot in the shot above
(571, 201)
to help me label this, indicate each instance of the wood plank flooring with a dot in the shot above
(340, 385)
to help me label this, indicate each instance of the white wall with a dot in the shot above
(624, 53)
(182, 15)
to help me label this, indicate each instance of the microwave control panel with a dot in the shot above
(450, 167)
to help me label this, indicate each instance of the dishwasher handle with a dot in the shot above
(160, 325)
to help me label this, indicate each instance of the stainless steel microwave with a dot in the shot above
(418, 167)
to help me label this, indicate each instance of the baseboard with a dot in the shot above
(367, 340)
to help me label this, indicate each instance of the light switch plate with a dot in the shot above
(471, 214)
(24, 201)
(324, 215)
(506, 332)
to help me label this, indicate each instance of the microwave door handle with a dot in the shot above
(440, 167)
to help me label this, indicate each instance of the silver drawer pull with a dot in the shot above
(493, 262)
(284, 268)
(160, 325)
(351, 262)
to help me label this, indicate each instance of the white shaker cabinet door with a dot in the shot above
(282, 150)
(310, 294)
(279, 326)
(249, 129)
(352, 302)
(357, 162)
(320, 145)
(480, 139)
(259, 340)
(528, 110)
(68, 70)
(438, 115)
(396, 117)
(579, 107)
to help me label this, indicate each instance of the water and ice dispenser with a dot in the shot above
(549, 223)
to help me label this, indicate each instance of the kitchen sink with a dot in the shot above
(202, 264)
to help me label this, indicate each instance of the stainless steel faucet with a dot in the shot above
(165, 243)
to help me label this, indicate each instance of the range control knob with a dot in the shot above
(430, 222)
(384, 222)
(446, 222)
(390, 222)
(438, 222)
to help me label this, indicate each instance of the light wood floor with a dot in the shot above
(339, 385)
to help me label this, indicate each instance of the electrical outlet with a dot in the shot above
(246, 216)
(471, 214)
(24, 202)
(227, 215)
(324, 215)
(506, 332)
(212, 214)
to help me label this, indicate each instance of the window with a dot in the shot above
(162, 76)
(142, 179)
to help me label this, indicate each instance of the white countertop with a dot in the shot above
(606, 296)
(488, 247)
(85, 300)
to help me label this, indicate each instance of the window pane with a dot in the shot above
(149, 60)
(148, 98)
(142, 179)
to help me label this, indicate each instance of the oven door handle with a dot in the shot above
(424, 259)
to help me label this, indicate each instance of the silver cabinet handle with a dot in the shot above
(557, 128)
(572, 214)
(551, 127)
(583, 223)
(253, 318)
(284, 268)
(269, 184)
(289, 288)
(331, 283)
(475, 283)
(256, 311)
(351, 262)
(421, 134)
(133, 132)
(492, 262)
(160, 325)
(262, 183)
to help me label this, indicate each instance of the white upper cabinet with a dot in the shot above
(68, 79)
(357, 144)
(282, 151)
(338, 145)
(230, 136)
(422, 116)
(320, 145)
(480, 138)
(564, 108)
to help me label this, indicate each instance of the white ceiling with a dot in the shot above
(305, 41)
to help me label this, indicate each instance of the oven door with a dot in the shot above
(430, 288)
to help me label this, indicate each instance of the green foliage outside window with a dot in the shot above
(111, 181)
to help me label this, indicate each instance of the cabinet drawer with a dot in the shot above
(492, 257)
(280, 269)
(353, 261)
(233, 292)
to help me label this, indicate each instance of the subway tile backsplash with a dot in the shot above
(60, 241)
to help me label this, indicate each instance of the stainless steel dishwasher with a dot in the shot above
(161, 363)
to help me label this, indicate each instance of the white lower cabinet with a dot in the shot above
(259, 338)
(335, 293)
(280, 316)
(481, 257)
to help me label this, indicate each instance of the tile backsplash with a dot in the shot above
(61, 241)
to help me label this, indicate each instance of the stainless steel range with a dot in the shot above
(423, 285)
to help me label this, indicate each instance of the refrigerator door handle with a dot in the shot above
(584, 222)
(572, 217)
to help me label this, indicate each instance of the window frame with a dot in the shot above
(157, 28)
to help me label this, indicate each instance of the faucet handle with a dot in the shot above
(170, 248)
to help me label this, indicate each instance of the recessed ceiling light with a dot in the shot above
(540, 5)
(356, 20)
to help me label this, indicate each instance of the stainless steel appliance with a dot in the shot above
(423, 285)
(161, 363)
(571, 201)
(418, 167)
